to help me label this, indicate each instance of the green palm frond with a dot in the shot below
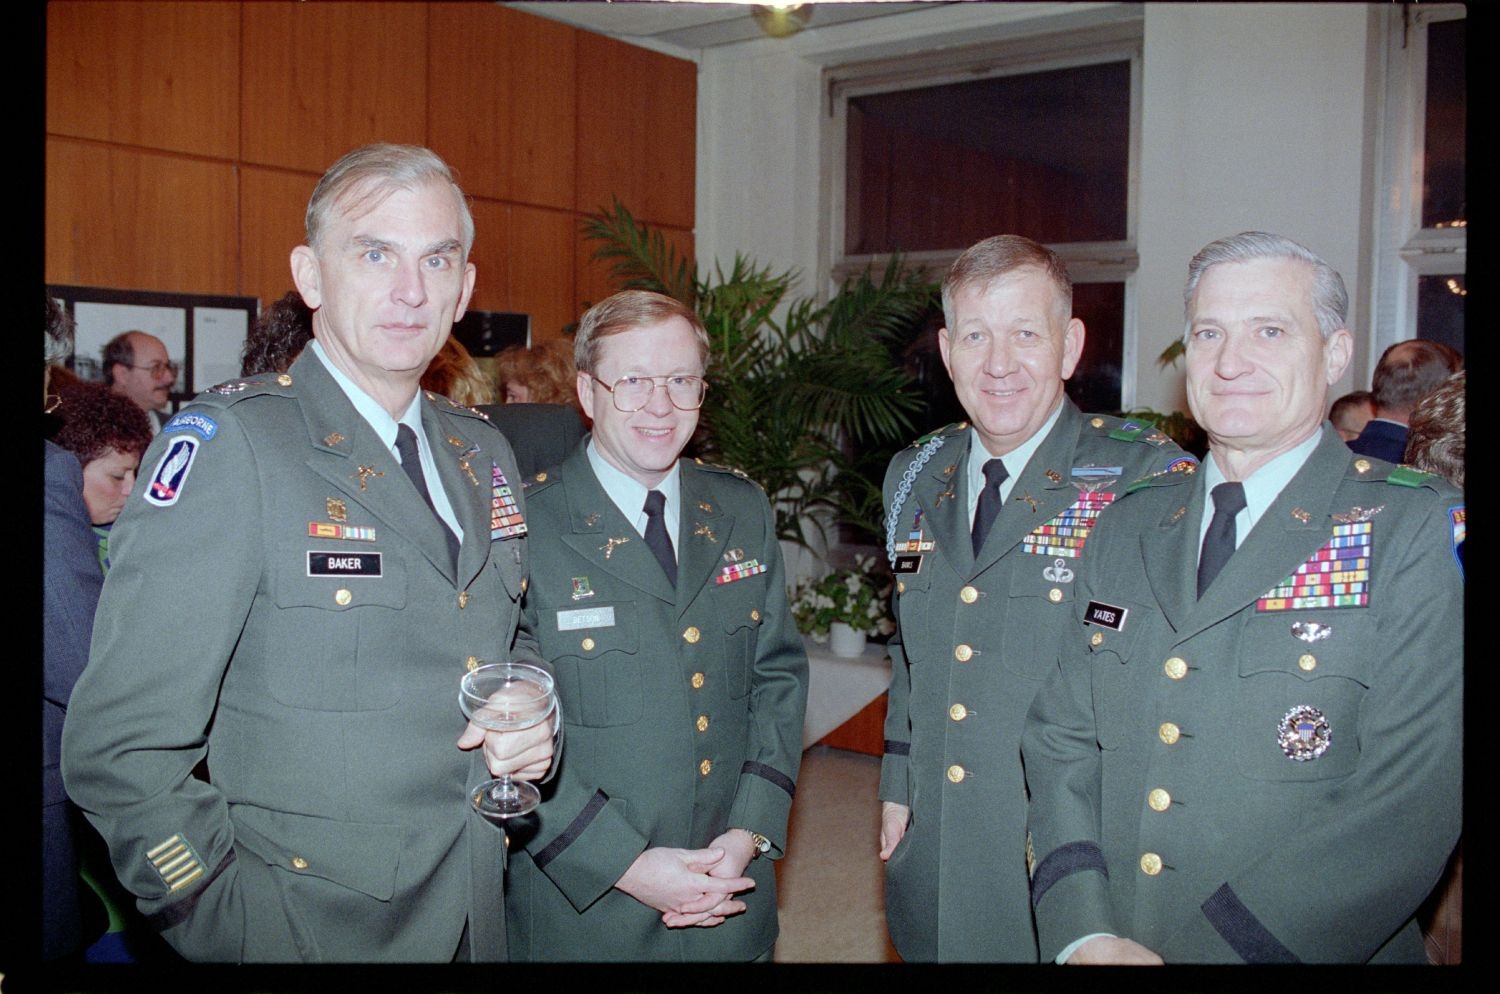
(792, 383)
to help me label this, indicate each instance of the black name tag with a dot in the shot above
(1105, 615)
(908, 564)
(343, 564)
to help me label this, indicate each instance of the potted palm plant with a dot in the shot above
(805, 397)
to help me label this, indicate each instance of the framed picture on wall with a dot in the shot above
(203, 333)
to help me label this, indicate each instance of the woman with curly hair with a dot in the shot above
(540, 375)
(108, 434)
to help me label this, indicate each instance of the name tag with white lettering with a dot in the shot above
(1106, 615)
(343, 564)
(586, 617)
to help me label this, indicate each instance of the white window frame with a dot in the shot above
(1088, 262)
(1404, 250)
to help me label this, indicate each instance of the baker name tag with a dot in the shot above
(343, 564)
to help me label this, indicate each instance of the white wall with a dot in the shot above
(1253, 117)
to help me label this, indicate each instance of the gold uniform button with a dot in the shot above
(541, 478)
(958, 712)
(525, 582)
(1308, 662)
(963, 653)
(955, 774)
(968, 595)
(705, 767)
(691, 635)
(900, 586)
(697, 681)
(1169, 733)
(1176, 667)
(1055, 595)
(1096, 639)
(702, 723)
(1150, 864)
(754, 614)
(284, 380)
(472, 663)
(1096, 422)
(342, 597)
(1159, 800)
(299, 863)
(1361, 465)
(587, 644)
(463, 599)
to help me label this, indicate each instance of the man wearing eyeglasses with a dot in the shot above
(136, 365)
(658, 595)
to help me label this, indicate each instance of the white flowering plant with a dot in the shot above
(860, 597)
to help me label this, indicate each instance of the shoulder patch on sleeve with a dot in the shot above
(171, 471)
(199, 424)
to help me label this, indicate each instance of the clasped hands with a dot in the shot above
(693, 887)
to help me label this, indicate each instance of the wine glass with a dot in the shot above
(506, 697)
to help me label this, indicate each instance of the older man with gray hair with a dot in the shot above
(1251, 749)
(308, 565)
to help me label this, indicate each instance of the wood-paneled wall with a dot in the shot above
(184, 138)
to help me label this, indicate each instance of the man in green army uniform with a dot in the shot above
(1251, 750)
(987, 526)
(658, 594)
(297, 585)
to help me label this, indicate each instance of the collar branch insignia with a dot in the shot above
(1028, 499)
(705, 531)
(364, 473)
(608, 548)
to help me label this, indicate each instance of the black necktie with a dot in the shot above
(1218, 541)
(989, 502)
(411, 463)
(657, 539)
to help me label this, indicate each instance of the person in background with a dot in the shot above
(136, 365)
(1350, 413)
(1435, 444)
(108, 434)
(1407, 371)
(454, 374)
(541, 415)
(542, 374)
(71, 578)
(278, 336)
(1251, 748)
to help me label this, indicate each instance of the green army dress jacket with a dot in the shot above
(683, 710)
(1271, 773)
(283, 604)
(976, 638)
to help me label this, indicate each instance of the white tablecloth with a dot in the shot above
(839, 688)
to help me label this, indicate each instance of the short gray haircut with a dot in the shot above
(371, 173)
(1330, 300)
(998, 256)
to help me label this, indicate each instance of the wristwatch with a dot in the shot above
(761, 843)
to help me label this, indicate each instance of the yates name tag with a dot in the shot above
(343, 564)
(1105, 615)
(586, 617)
